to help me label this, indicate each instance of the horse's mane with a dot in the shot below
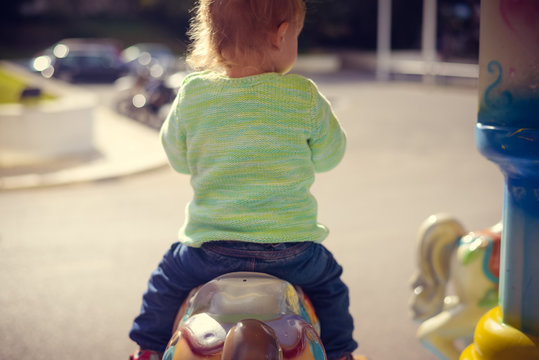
(437, 240)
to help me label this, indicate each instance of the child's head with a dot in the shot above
(229, 33)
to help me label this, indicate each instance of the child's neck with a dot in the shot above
(244, 71)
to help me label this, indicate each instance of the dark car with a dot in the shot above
(81, 60)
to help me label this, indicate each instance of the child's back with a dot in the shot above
(252, 146)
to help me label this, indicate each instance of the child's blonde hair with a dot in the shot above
(225, 31)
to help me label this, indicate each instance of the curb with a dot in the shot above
(79, 175)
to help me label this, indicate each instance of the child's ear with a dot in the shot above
(278, 36)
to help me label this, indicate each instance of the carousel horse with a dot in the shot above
(245, 316)
(450, 258)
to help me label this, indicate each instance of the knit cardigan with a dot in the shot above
(252, 146)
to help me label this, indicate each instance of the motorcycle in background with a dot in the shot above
(146, 97)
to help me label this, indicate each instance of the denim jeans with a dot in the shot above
(309, 265)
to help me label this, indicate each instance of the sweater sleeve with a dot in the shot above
(174, 141)
(328, 140)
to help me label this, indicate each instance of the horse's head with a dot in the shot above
(202, 337)
(245, 316)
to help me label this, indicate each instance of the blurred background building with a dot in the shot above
(28, 26)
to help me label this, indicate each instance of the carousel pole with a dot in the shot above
(507, 133)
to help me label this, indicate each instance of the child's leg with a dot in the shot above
(331, 303)
(318, 274)
(168, 286)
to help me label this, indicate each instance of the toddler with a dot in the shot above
(252, 138)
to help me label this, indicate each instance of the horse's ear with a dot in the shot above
(251, 339)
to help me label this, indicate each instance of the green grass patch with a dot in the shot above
(11, 87)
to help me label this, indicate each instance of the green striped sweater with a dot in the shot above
(252, 146)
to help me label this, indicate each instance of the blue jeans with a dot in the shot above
(309, 265)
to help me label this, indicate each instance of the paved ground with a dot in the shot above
(74, 259)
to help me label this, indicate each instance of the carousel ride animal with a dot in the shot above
(455, 284)
(245, 316)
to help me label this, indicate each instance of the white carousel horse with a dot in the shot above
(467, 264)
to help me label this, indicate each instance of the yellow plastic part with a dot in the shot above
(494, 340)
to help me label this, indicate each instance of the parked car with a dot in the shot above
(81, 60)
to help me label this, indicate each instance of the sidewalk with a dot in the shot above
(123, 147)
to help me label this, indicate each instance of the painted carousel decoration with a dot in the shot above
(456, 282)
(507, 133)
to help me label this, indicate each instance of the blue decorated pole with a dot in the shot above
(507, 133)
